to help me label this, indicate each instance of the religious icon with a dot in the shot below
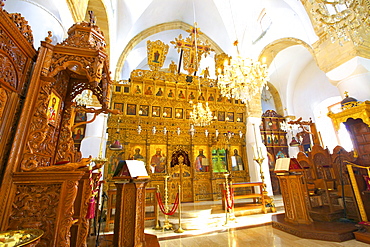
(137, 155)
(170, 93)
(159, 92)
(156, 111)
(187, 115)
(53, 108)
(148, 91)
(131, 109)
(211, 97)
(80, 117)
(167, 112)
(118, 106)
(219, 161)
(221, 116)
(78, 134)
(137, 89)
(181, 95)
(144, 110)
(158, 162)
(179, 113)
(239, 117)
(237, 161)
(201, 97)
(201, 162)
(191, 96)
(220, 98)
(230, 115)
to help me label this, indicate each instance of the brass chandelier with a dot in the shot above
(241, 79)
(201, 116)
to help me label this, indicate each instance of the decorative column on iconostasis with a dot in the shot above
(255, 147)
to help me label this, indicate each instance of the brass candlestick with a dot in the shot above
(259, 159)
(166, 225)
(229, 213)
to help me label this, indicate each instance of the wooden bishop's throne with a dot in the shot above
(45, 182)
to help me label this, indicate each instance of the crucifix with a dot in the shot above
(191, 49)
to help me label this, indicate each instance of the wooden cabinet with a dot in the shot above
(275, 141)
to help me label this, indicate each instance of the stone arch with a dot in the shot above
(153, 30)
(269, 53)
(271, 50)
(277, 100)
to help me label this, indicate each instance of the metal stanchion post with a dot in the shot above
(157, 225)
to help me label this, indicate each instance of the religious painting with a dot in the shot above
(237, 163)
(78, 133)
(170, 92)
(239, 117)
(221, 116)
(80, 116)
(137, 89)
(157, 163)
(156, 111)
(268, 140)
(220, 99)
(191, 95)
(159, 91)
(282, 140)
(211, 97)
(118, 106)
(148, 90)
(230, 116)
(118, 89)
(144, 110)
(201, 161)
(137, 152)
(167, 112)
(53, 108)
(126, 89)
(219, 161)
(113, 162)
(187, 114)
(157, 52)
(236, 101)
(229, 100)
(179, 113)
(181, 94)
(131, 109)
(201, 96)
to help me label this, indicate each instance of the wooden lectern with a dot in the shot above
(289, 173)
(130, 178)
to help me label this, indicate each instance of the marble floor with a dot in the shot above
(259, 236)
(204, 224)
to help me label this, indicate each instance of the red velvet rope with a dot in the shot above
(161, 206)
(229, 198)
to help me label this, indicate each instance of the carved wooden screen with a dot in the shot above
(17, 56)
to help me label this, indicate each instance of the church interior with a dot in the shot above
(184, 123)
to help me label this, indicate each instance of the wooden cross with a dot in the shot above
(192, 49)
